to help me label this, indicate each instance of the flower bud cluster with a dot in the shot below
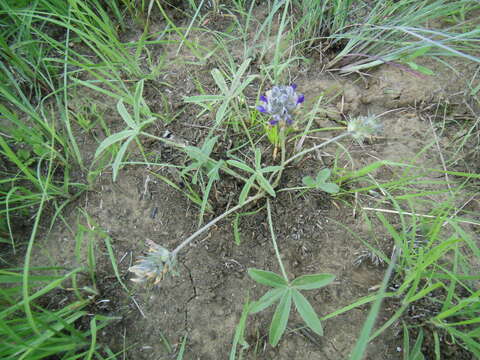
(153, 266)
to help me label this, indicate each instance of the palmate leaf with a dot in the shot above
(201, 156)
(280, 318)
(320, 182)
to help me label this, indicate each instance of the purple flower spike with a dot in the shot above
(300, 99)
(280, 103)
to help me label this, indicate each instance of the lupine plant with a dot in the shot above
(281, 105)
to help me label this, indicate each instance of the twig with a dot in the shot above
(274, 241)
(138, 307)
(460, 208)
(440, 154)
(414, 214)
(213, 222)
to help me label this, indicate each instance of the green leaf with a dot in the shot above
(203, 98)
(258, 159)
(112, 139)
(309, 282)
(323, 175)
(280, 318)
(420, 68)
(265, 185)
(220, 81)
(122, 110)
(267, 278)
(214, 172)
(365, 170)
(416, 353)
(206, 193)
(244, 84)
(267, 299)
(246, 190)
(309, 182)
(236, 230)
(271, 169)
(330, 188)
(196, 153)
(241, 70)
(240, 165)
(222, 110)
(239, 337)
(307, 312)
(406, 343)
(137, 101)
(272, 134)
(208, 145)
(118, 159)
(419, 52)
(423, 292)
(23, 154)
(182, 348)
(426, 71)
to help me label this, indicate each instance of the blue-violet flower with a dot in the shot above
(280, 102)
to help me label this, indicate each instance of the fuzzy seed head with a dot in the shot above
(363, 127)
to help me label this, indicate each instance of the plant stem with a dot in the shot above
(274, 241)
(214, 221)
(336, 138)
(294, 188)
(283, 140)
(282, 159)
